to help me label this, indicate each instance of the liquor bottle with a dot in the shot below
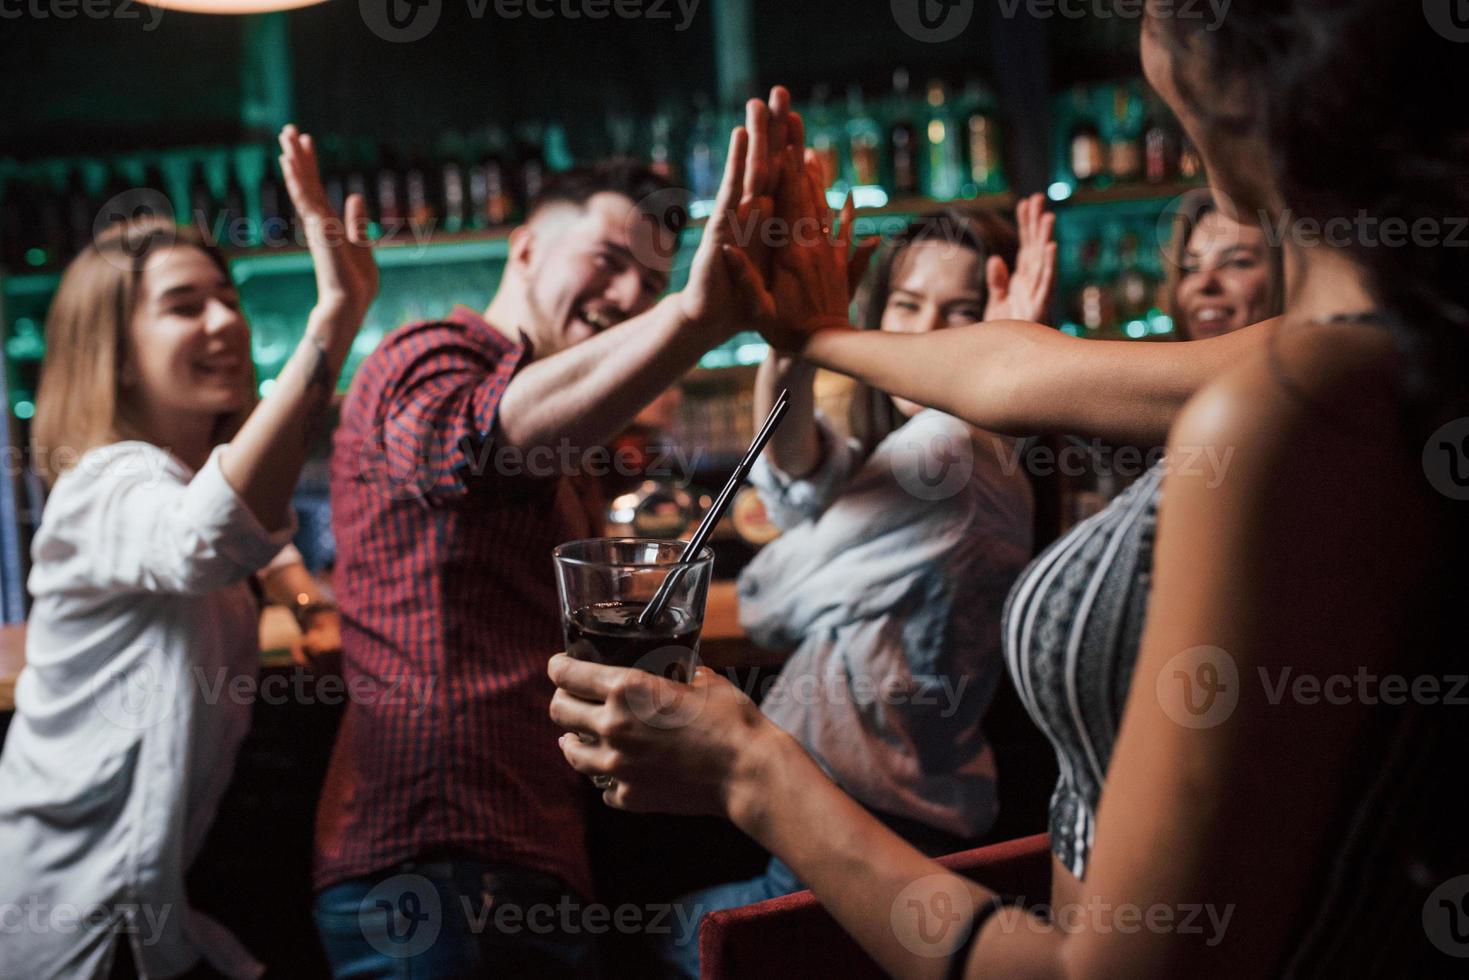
(20, 225)
(81, 210)
(233, 221)
(153, 179)
(622, 131)
(701, 167)
(1124, 146)
(1132, 290)
(903, 138)
(277, 227)
(333, 157)
(417, 192)
(1190, 164)
(490, 205)
(356, 182)
(388, 189)
(556, 148)
(52, 238)
(660, 146)
(824, 135)
(454, 193)
(982, 140)
(530, 165)
(864, 136)
(1084, 144)
(1160, 154)
(943, 146)
(201, 202)
(1094, 303)
(12, 223)
(116, 182)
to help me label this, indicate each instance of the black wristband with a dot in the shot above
(960, 957)
(306, 612)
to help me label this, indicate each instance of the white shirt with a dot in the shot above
(126, 728)
(889, 581)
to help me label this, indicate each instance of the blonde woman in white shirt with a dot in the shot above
(170, 488)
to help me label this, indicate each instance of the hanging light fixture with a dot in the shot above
(230, 6)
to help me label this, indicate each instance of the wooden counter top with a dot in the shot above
(721, 645)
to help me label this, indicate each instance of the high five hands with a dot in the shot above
(791, 265)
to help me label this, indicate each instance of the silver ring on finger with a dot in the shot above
(603, 782)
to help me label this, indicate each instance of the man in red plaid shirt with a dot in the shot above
(451, 801)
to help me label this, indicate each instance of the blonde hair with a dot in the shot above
(78, 404)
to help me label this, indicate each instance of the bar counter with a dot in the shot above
(721, 645)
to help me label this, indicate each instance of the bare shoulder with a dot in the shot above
(1317, 401)
(1312, 474)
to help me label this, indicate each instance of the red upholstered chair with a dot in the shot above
(793, 936)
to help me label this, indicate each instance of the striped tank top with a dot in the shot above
(1391, 889)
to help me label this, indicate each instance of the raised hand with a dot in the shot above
(810, 279)
(753, 171)
(341, 253)
(1024, 294)
(709, 298)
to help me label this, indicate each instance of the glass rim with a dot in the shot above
(705, 555)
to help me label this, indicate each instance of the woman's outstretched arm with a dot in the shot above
(1026, 379)
(1009, 376)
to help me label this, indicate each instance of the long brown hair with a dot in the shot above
(872, 415)
(1192, 208)
(78, 403)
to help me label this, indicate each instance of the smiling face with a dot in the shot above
(187, 349)
(1225, 281)
(934, 285)
(584, 269)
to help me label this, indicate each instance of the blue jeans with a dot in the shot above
(451, 918)
(680, 950)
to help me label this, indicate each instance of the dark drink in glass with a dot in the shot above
(606, 583)
(608, 633)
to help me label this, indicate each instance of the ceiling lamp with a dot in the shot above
(230, 6)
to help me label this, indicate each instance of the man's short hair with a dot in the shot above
(632, 179)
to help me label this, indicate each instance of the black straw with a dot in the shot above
(654, 609)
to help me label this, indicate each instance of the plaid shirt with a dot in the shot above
(449, 613)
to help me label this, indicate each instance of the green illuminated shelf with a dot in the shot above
(419, 280)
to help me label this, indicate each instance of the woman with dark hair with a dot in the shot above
(899, 546)
(1222, 275)
(1245, 670)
